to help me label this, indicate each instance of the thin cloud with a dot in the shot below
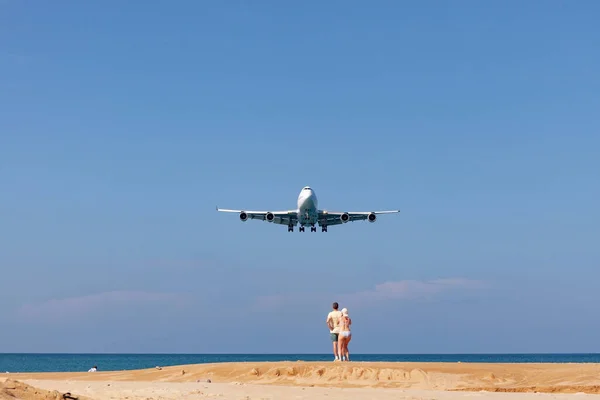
(97, 303)
(396, 290)
(412, 289)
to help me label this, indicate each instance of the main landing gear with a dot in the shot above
(312, 228)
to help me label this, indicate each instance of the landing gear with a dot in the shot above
(302, 228)
(290, 228)
(324, 228)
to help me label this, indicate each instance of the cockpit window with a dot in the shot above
(306, 188)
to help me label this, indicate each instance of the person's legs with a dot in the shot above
(341, 341)
(346, 351)
(334, 339)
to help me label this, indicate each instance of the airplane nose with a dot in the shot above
(308, 200)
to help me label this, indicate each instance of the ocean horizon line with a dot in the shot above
(301, 354)
(71, 362)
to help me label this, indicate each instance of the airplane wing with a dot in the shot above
(341, 217)
(288, 217)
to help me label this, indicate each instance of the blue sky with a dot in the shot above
(123, 125)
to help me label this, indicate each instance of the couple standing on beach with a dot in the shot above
(339, 330)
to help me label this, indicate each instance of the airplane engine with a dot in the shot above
(372, 217)
(243, 216)
(270, 217)
(345, 217)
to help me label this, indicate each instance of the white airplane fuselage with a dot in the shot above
(308, 207)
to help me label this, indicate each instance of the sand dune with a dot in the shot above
(550, 378)
(11, 390)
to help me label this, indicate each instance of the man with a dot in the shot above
(333, 323)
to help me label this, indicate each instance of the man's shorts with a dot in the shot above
(334, 337)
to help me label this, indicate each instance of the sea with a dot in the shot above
(46, 362)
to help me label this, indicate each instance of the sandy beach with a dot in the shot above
(316, 380)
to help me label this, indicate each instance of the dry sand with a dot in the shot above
(328, 380)
(10, 389)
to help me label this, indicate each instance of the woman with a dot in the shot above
(345, 336)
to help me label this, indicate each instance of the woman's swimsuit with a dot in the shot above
(346, 326)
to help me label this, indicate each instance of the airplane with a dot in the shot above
(308, 214)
